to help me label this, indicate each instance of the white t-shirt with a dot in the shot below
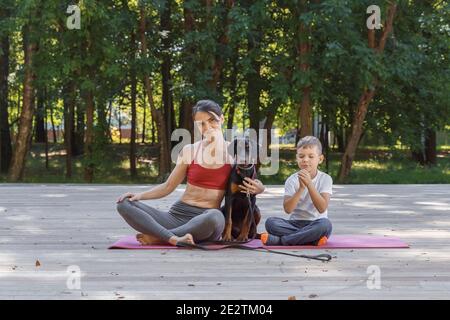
(305, 209)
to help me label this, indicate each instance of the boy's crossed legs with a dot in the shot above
(296, 232)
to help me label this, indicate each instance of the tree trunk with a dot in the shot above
(305, 113)
(234, 89)
(365, 99)
(89, 136)
(52, 120)
(340, 136)
(109, 120)
(144, 119)
(120, 123)
(304, 50)
(69, 110)
(430, 147)
(153, 131)
(254, 83)
(89, 68)
(79, 132)
(231, 112)
(270, 118)
(39, 118)
(325, 143)
(133, 171)
(26, 116)
(164, 160)
(222, 44)
(46, 139)
(167, 98)
(101, 126)
(357, 127)
(5, 135)
(418, 156)
(186, 121)
(187, 102)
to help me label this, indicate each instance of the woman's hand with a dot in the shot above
(252, 186)
(131, 196)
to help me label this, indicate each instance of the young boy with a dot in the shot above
(306, 196)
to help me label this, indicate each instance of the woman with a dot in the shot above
(196, 216)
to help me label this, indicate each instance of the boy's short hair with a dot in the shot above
(310, 141)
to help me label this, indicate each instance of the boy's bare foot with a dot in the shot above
(187, 238)
(148, 240)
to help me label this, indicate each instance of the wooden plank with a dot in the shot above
(63, 225)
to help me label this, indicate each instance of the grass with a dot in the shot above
(373, 166)
(114, 168)
(378, 165)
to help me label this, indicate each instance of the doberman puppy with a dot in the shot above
(241, 213)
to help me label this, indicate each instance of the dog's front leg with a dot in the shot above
(243, 236)
(226, 236)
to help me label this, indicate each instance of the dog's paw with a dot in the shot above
(227, 238)
(242, 238)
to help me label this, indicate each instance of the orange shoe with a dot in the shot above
(322, 241)
(264, 237)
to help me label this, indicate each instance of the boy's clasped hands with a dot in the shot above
(304, 177)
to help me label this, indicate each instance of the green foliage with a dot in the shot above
(263, 38)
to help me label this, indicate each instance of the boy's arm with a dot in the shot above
(292, 197)
(290, 202)
(320, 200)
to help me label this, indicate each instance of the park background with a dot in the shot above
(98, 103)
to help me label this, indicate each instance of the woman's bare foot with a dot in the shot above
(187, 238)
(147, 240)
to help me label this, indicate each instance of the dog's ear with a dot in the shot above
(253, 150)
(232, 148)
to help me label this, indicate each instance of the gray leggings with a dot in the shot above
(204, 224)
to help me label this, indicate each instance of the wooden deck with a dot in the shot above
(65, 225)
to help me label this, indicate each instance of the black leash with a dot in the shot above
(320, 257)
(240, 244)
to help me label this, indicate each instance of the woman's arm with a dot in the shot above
(176, 177)
(166, 188)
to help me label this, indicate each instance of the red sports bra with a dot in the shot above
(209, 178)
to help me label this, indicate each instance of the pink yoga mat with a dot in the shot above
(335, 242)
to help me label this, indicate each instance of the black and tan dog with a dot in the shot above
(241, 213)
